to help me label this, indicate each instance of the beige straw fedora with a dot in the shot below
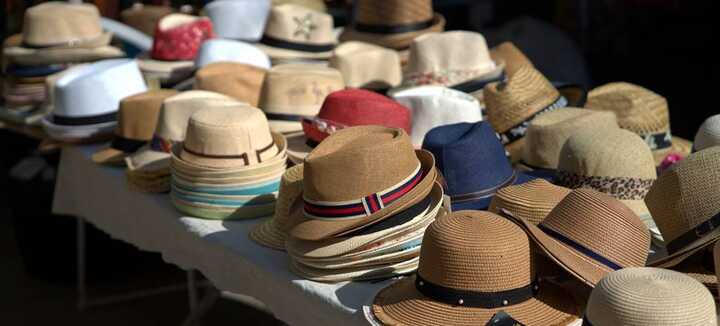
(473, 265)
(365, 65)
(240, 81)
(509, 54)
(392, 23)
(642, 112)
(273, 232)
(292, 92)
(590, 234)
(646, 296)
(317, 5)
(708, 135)
(685, 204)
(359, 176)
(531, 201)
(296, 32)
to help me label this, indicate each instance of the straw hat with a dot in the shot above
(59, 32)
(240, 81)
(531, 201)
(359, 176)
(647, 296)
(354, 274)
(709, 134)
(272, 233)
(512, 105)
(469, 262)
(365, 65)
(317, 5)
(642, 112)
(347, 108)
(292, 92)
(220, 50)
(239, 19)
(685, 204)
(590, 234)
(144, 17)
(392, 23)
(612, 161)
(509, 54)
(137, 118)
(296, 32)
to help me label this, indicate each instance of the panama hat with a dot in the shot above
(137, 117)
(292, 92)
(531, 201)
(296, 32)
(461, 284)
(365, 65)
(347, 108)
(513, 104)
(708, 135)
(144, 17)
(646, 296)
(685, 204)
(472, 162)
(240, 81)
(642, 112)
(434, 106)
(220, 50)
(359, 176)
(392, 23)
(273, 232)
(59, 32)
(590, 234)
(239, 19)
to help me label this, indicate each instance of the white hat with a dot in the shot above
(709, 134)
(217, 50)
(239, 19)
(434, 106)
(82, 111)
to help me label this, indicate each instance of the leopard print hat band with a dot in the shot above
(622, 188)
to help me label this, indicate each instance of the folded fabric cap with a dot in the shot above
(685, 204)
(709, 134)
(434, 106)
(296, 32)
(590, 234)
(239, 19)
(360, 176)
(531, 201)
(472, 162)
(220, 50)
(509, 54)
(144, 17)
(645, 296)
(365, 65)
(240, 81)
(273, 232)
(137, 118)
(178, 37)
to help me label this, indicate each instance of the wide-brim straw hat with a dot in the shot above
(273, 232)
(531, 201)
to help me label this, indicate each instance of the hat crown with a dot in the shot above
(687, 194)
(650, 296)
(59, 23)
(531, 200)
(242, 82)
(477, 251)
(638, 109)
(456, 52)
(295, 23)
(298, 88)
(221, 50)
(289, 193)
(239, 19)
(356, 162)
(393, 12)
(709, 133)
(176, 111)
(355, 107)
(138, 114)
(367, 65)
(601, 224)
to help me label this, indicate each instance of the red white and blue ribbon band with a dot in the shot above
(365, 206)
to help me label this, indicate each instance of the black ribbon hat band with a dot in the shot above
(302, 47)
(475, 299)
(83, 121)
(694, 234)
(393, 29)
(126, 145)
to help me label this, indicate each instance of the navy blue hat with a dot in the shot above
(473, 163)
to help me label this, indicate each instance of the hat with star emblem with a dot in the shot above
(295, 32)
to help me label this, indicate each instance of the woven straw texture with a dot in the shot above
(393, 12)
(709, 133)
(298, 89)
(512, 56)
(366, 65)
(272, 233)
(638, 109)
(650, 297)
(531, 201)
(240, 81)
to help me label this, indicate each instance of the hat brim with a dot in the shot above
(402, 304)
(680, 146)
(298, 148)
(354, 274)
(397, 41)
(315, 229)
(30, 56)
(484, 203)
(268, 235)
(149, 161)
(687, 251)
(366, 262)
(110, 156)
(222, 212)
(165, 68)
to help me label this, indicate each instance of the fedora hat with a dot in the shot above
(512, 105)
(144, 17)
(612, 161)
(392, 23)
(365, 65)
(646, 296)
(220, 50)
(531, 201)
(511, 56)
(292, 92)
(82, 112)
(708, 135)
(240, 81)
(273, 232)
(296, 32)
(137, 117)
(590, 234)
(239, 19)
(461, 284)
(472, 162)
(642, 112)
(434, 106)
(59, 32)
(317, 5)
(685, 204)
(382, 175)
(347, 108)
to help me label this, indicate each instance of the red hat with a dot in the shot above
(356, 107)
(182, 41)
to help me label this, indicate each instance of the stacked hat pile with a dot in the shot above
(24, 91)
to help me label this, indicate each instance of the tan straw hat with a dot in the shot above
(642, 112)
(317, 5)
(646, 296)
(144, 17)
(296, 32)
(272, 233)
(513, 58)
(590, 234)
(359, 176)
(392, 23)
(292, 92)
(531, 201)
(240, 81)
(365, 65)
(685, 203)
(708, 135)
(473, 265)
